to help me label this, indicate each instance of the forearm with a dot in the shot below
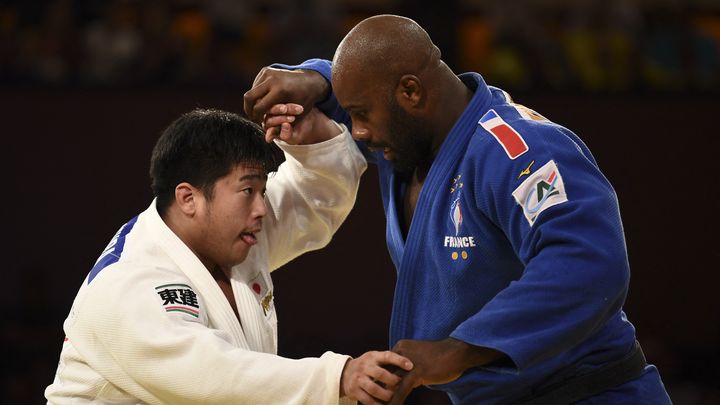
(443, 361)
(319, 90)
(317, 87)
(311, 195)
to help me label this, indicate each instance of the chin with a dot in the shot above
(401, 166)
(240, 257)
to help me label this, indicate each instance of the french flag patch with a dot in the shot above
(509, 138)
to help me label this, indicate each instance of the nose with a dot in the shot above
(360, 133)
(259, 208)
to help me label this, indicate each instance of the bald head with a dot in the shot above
(401, 97)
(385, 47)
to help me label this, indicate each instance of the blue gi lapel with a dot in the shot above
(394, 231)
(438, 178)
(389, 190)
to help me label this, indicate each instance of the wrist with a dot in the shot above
(342, 378)
(318, 85)
(471, 355)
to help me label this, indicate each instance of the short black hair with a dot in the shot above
(202, 146)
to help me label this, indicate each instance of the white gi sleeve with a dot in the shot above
(310, 196)
(148, 351)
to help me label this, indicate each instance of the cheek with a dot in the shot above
(224, 224)
(405, 131)
(380, 132)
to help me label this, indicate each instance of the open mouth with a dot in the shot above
(249, 238)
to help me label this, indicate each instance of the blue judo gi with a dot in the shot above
(516, 244)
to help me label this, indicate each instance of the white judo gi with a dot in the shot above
(154, 327)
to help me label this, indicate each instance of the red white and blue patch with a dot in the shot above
(510, 140)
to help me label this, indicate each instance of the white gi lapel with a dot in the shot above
(253, 290)
(219, 310)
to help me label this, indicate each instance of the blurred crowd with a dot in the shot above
(585, 45)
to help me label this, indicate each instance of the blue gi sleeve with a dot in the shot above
(564, 224)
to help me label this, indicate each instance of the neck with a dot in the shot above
(220, 273)
(452, 99)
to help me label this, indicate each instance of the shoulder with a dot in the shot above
(512, 143)
(509, 133)
(135, 288)
(130, 276)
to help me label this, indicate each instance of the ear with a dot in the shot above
(187, 198)
(410, 92)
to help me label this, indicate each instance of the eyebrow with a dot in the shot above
(253, 177)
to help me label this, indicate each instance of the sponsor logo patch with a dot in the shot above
(179, 298)
(510, 140)
(540, 191)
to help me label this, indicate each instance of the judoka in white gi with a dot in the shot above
(179, 306)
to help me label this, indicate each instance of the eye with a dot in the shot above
(247, 190)
(359, 115)
(264, 190)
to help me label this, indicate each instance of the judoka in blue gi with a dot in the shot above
(511, 261)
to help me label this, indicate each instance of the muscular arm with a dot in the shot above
(575, 274)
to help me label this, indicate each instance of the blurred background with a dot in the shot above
(86, 86)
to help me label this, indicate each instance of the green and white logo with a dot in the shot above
(540, 191)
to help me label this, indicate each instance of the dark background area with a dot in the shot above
(87, 86)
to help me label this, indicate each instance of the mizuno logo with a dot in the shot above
(526, 171)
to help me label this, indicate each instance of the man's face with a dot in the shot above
(380, 122)
(227, 224)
